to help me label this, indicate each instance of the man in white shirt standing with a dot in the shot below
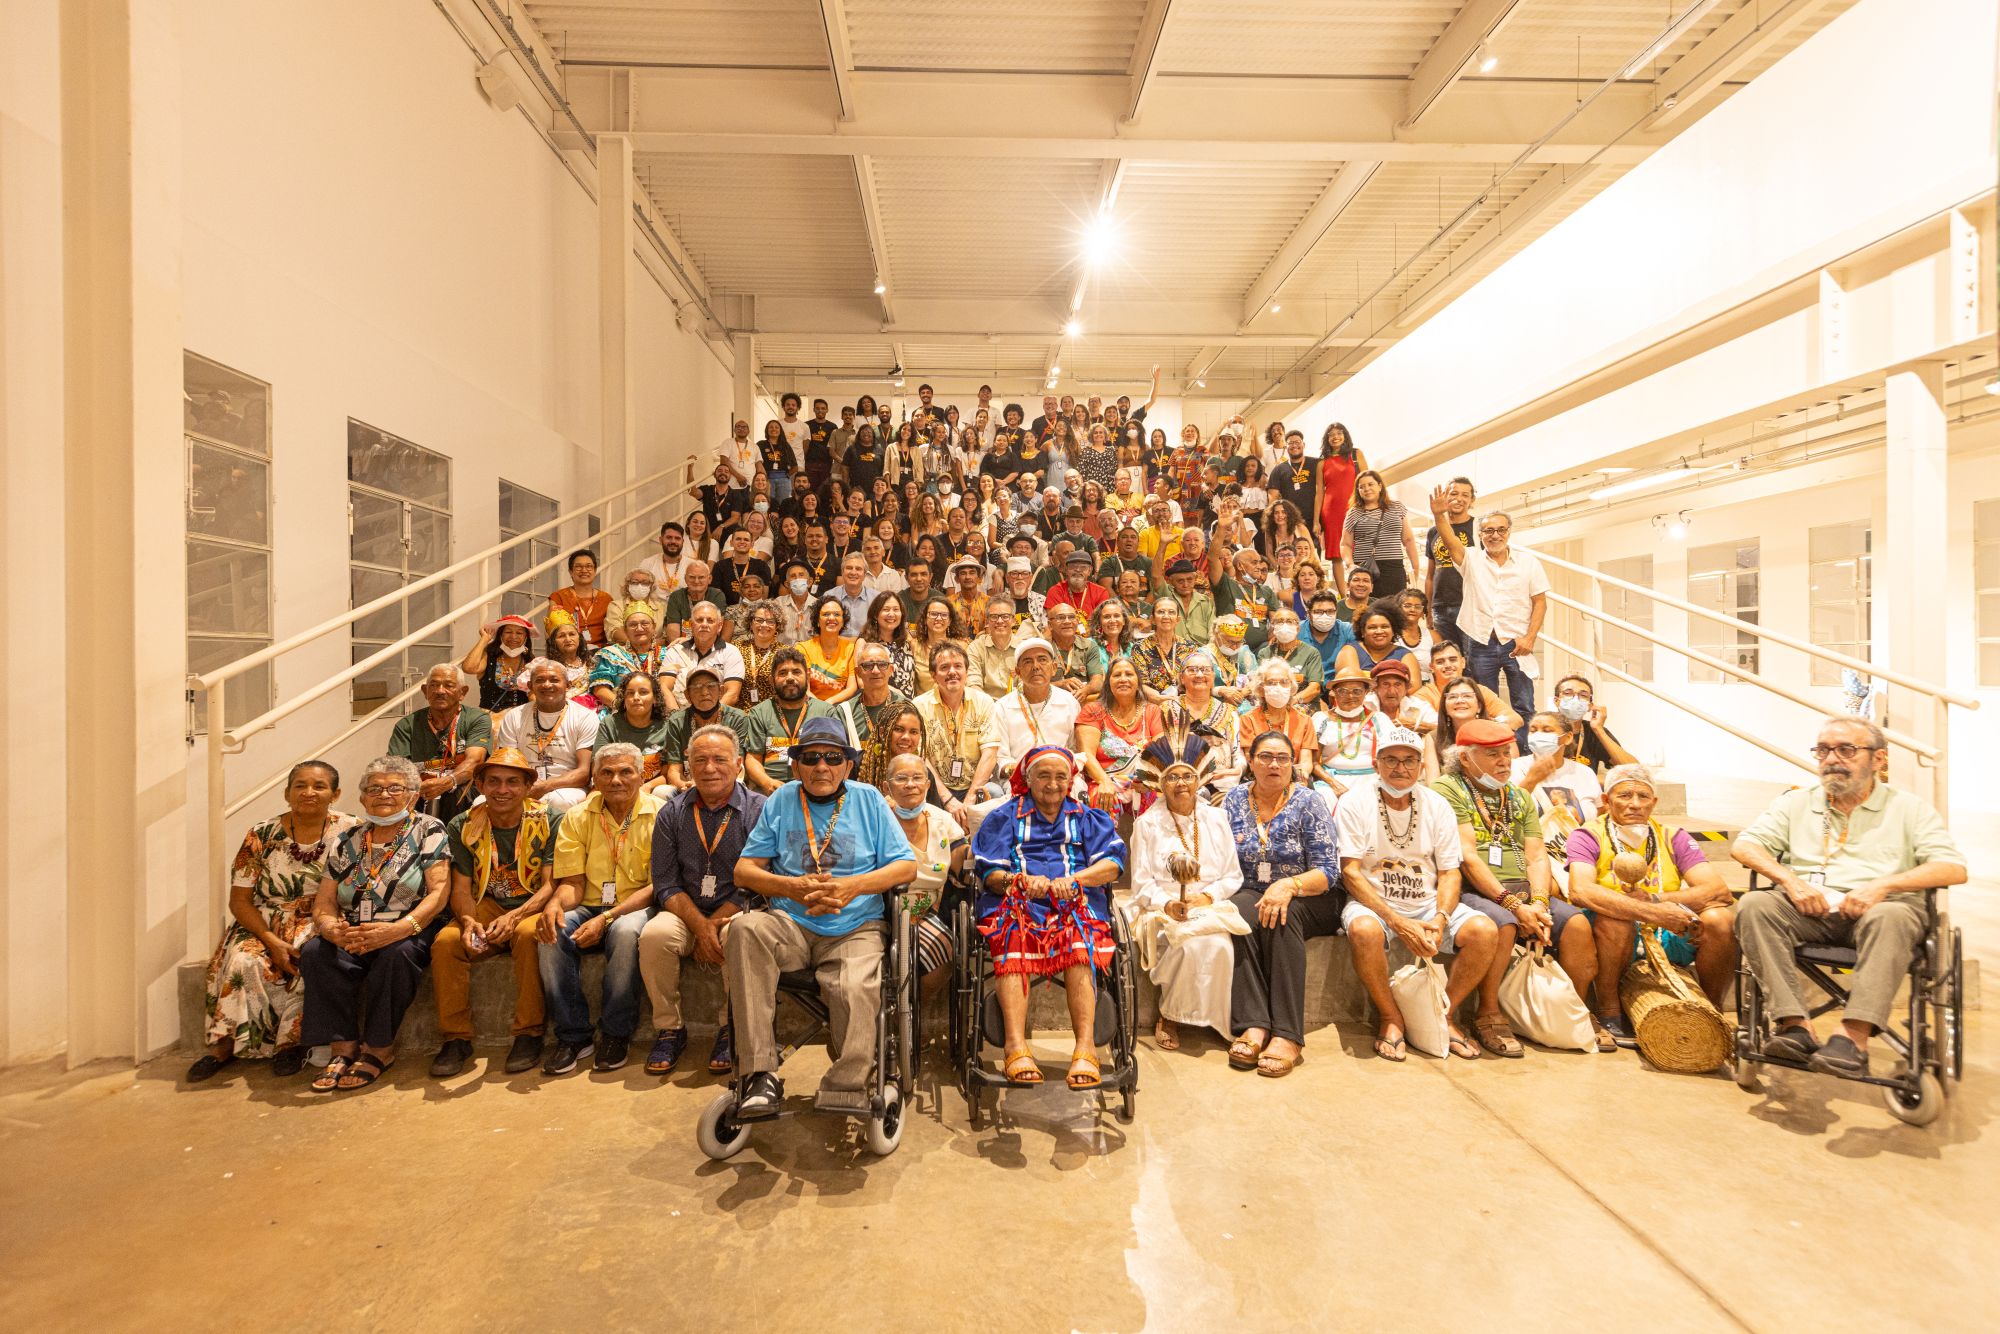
(740, 455)
(1033, 714)
(1506, 597)
(668, 568)
(557, 731)
(1399, 862)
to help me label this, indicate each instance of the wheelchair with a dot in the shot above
(975, 1018)
(1932, 1046)
(722, 1136)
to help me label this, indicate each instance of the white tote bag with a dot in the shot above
(1419, 991)
(1538, 1000)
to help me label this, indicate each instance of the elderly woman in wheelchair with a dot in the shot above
(1045, 863)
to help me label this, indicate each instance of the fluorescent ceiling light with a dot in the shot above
(1648, 482)
(1672, 33)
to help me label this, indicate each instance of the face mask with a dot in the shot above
(1574, 708)
(638, 592)
(1285, 633)
(1354, 712)
(1635, 833)
(1544, 743)
(1277, 696)
(762, 507)
(798, 587)
(1488, 782)
(1397, 792)
(1323, 621)
(909, 813)
(374, 819)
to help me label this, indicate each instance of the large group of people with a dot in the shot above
(1059, 668)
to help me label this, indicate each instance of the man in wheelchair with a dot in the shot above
(1848, 861)
(824, 852)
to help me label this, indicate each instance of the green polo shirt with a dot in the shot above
(681, 726)
(680, 606)
(1891, 831)
(1521, 824)
(1304, 660)
(1198, 615)
(415, 742)
(1114, 565)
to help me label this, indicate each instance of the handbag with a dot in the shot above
(1418, 987)
(1539, 1001)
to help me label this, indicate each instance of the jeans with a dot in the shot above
(1444, 624)
(1487, 662)
(781, 486)
(562, 976)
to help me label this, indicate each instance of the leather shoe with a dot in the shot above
(451, 1058)
(722, 1059)
(527, 1050)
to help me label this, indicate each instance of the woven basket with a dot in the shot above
(1675, 1025)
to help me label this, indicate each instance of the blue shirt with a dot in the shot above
(681, 859)
(865, 837)
(1329, 648)
(1016, 837)
(1300, 838)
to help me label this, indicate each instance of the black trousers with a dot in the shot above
(1268, 990)
(1390, 578)
(360, 997)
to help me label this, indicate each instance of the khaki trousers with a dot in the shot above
(662, 945)
(761, 945)
(451, 975)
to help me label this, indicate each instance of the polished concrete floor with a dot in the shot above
(1563, 1190)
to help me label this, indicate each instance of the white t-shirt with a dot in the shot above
(1011, 729)
(1358, 735)
(1408, 876)
(725, 659)
(667, 578)
(934, 857)
(575, 732)
(887, 580)
(795, 436)
(741, 456)
(1567, 799)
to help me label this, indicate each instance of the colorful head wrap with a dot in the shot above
(1018, 785)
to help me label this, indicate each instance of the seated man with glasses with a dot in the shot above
(1846, 860)
(823, 852)
(1591, 742)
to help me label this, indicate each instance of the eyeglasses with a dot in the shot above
(1399, 761)
(1493, 532)
(1845, 751)
(819, 759)
(875, 666)
(398, 790)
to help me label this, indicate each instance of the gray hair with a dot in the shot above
(394, 766)
(1453, 761)
(617, 750)
(718, 730)
(1630, 773)
(1265, 672)
(1877, 738)
(1500, 514)
(535, 665)
(459, 676)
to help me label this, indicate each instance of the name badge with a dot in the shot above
(1494, 855)
(607, 894)
(708, 886)
(364, 909)
(1264, 872)
(1816, 879)
(957, 775)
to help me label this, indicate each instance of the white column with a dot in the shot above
(1909, 556)
(124, 539)
(744, 349)
(618, 451)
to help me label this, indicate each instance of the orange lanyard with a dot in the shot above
(1264, 826)
(447, 738)
(816, 849)
(709, 845)
(617, 836)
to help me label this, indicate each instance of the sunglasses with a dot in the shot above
(820, 759)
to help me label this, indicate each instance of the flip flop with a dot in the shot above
(1391, 1049)
(1464, 1047)
(1021, 1068)
(1164, 1038)
(329, 1078)
(1084, 1071)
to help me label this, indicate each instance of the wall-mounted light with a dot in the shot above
(1487, 58)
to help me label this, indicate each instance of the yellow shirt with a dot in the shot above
(827, 676)
(589, 844)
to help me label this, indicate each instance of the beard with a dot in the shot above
(1842, 784)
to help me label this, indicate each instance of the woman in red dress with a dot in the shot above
(1340, 464)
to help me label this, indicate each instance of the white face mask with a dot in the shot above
(798, 587)
(1277, 696)
(1397, 792)
(762, 507)
(1487, 781)
(910, 812)
(638, 592)
(1544, 743)
(1323, 621)
(1633, 833)
(1354, 712)
(1284, 632)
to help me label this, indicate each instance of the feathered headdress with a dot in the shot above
(1185, 742)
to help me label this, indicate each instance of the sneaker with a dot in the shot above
(763, 1094)
(667, 1049)
(451, 1058)
(1795, 1044)
(848, 1102)
(563, 1057)
(1839, 1057)
(525, 1053)
(611, 1052)
(722, 1057)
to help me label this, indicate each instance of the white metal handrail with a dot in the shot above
(1861, 665)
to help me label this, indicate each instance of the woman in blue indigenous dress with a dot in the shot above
(1045, 863)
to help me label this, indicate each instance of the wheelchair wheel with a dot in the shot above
(1920, 1110)
(1951, 1014)
(1746, 1075)
(1127, 1106)
(718, 1133)
(885, 1132)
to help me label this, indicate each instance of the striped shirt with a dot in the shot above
(1377, 533)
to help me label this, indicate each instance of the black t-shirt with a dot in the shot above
(728, 575)
(1299, 485)
(1448, 588)
(864, 465)
(819, 450)
(777, 456)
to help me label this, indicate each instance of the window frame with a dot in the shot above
(525, 556)
(255, 691)
(1822, 672)
(1713, 638)
(404, 572)
(1621, 648)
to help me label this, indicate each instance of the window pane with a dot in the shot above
(1986, 566)
(522, 509)
(225, 405)
(248, 695)
(430, 541)
(228, 495)
(388, 676)
(1746, 591)
(364, 587)
(229, 590)
(378, 459)
(1841, 541)
(429, 604)
(1989, 664)
(378, 530)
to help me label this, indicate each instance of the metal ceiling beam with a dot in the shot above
(1747, 36)
(1460, 268)
(1453, 53)
(988, 116)
(1203, 362)
(1312, 229)
(878, 244)
(1145, 57)
(839, 53)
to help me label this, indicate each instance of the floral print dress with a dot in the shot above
(249, 1002)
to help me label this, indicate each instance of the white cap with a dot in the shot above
(1020, 565)
(1034, 641)
(1399, 736)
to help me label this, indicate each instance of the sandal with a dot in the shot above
(1277, 1067)
(329, 1078)
(1022, 1068)
(1084, 1072)
(1243, 1054)
(1166, 1034)
(365, 1070)
(1606, 1040)
(1392, 1049)
(1463, 1046)
(1496, 1037)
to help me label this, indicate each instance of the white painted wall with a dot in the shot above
(363, 231)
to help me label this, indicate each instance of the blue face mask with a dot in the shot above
(1488, 782)
(910, 813)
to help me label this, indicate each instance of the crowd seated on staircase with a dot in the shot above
(1280, 711)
